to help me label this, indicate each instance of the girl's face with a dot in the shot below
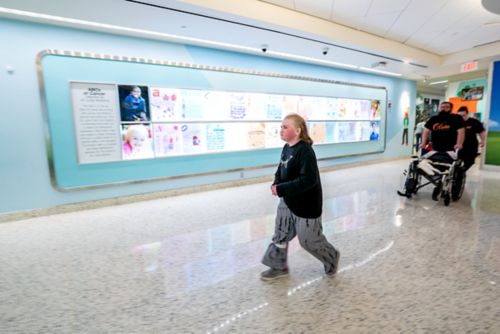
(289, 133)
(137, 140)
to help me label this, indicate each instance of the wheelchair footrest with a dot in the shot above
(402, 194)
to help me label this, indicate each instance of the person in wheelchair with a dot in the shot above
(448, 134)
(439, 166)
(447, 129)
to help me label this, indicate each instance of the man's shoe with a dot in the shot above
(271, 274)
(333, 272)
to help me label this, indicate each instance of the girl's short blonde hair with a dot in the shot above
(300, 123)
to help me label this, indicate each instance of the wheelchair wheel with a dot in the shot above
(410, 186)
(410, 183)
(457, 189)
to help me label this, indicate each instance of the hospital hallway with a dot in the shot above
(191, 263)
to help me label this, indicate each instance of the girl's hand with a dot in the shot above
(273, 190)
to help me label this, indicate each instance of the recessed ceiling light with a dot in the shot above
(438, 82)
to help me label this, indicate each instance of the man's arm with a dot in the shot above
(425, 136)
(460, 139)
(482, 135)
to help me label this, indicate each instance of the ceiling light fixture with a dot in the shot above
(438, 82)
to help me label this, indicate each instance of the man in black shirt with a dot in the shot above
(472, 128)
(447, 130)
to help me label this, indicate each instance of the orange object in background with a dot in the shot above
(457, 103)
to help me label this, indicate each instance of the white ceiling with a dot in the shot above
(417, 38)
(437, 26)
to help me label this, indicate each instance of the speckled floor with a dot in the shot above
(191, 264)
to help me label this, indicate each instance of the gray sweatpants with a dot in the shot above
(311, 238)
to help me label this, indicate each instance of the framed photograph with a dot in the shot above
(136, 141)
(134, 103)
(472, 93)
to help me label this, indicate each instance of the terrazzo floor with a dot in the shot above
(191, 263)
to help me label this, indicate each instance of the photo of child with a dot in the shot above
(375, 109)
(134, 103)
(374, 135)
(137, 142)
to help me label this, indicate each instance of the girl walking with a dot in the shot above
(297, 183)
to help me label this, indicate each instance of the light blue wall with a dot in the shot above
(23, 166)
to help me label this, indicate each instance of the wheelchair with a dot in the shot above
(442, 169)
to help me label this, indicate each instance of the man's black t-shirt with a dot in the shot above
(472, 128)
(444, 128)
